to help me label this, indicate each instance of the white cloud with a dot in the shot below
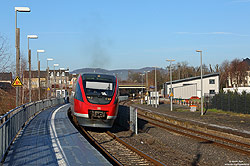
(210, 33)
(241, 1)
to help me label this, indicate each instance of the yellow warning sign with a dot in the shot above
(171, 94)
(17, 82)
(48, 89)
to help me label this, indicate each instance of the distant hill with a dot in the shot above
(121, 73)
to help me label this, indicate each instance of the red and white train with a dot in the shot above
(96, 100)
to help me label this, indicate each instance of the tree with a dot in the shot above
(134, 77)
(238, 71)
(224, 74)
(4, 55)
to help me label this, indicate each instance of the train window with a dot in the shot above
(78, 93)
(99, 85)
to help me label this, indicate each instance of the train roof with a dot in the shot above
(98, 76)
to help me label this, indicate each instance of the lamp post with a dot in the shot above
(48, 59)
(155, 88)
(66, 81)
(147, 82)
(55, 79)
(61, 80)
(142, 88)
(200, 51)
(29, 56)
(38, 66)
(171, 94)
(17, 46)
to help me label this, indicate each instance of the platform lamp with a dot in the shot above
(38, 66)
(155, 88)
(61, 79)
(200, 51)
(29, 57)
(171, 94)
(66, 80)
(147, 83)
(48, 59)
(55, 65)
(17, 45)
(142, 75)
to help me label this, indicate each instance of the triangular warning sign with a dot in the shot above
(48, 89)
(17, 82)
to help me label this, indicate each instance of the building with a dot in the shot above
(57, 79)
(5, 81)
(34, 79)
(188, 87)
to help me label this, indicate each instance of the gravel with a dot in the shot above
(174, 149)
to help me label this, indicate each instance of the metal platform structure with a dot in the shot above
(51, 139)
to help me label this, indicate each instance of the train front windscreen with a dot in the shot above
(99, 90)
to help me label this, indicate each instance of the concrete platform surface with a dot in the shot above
(229, 123)
(51, 139)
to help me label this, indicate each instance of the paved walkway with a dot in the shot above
(51, 139)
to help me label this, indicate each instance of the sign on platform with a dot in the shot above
(17, 82)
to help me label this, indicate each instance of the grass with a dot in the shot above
(228, 113)
(218, 111)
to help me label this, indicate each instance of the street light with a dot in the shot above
(61, 79)
(17, 46)
(66, 80)
(29, 56)
(48, 59)
(142, 89)
(38, 66)
(171, 94)
(147, 85)
(155, 88)
(201, 83)
(55, 65)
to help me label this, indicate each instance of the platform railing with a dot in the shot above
(13, 121)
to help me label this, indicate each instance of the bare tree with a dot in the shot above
(224, 70)
(242, 70)
(4, 55)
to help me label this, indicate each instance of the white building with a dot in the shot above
(237, 89)
(188, 87)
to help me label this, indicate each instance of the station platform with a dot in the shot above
(237, 124)
(51, 139)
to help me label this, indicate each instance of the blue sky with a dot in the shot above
(118, 34)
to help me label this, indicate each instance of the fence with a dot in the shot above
(234, 102)
(13, 121)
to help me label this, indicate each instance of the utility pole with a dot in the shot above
(201, 83)
(171, 91)
(155, 89)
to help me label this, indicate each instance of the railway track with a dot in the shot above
(114, 149)
(226, 143)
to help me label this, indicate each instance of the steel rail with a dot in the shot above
(108, 156)
(103, 151)
(155, 162)
(92, 141)
(200, 138)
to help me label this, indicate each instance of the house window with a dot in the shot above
(57, 74)
(211, 91)
(211, 81)
(63, 74)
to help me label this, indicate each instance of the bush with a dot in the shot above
(232, 101)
